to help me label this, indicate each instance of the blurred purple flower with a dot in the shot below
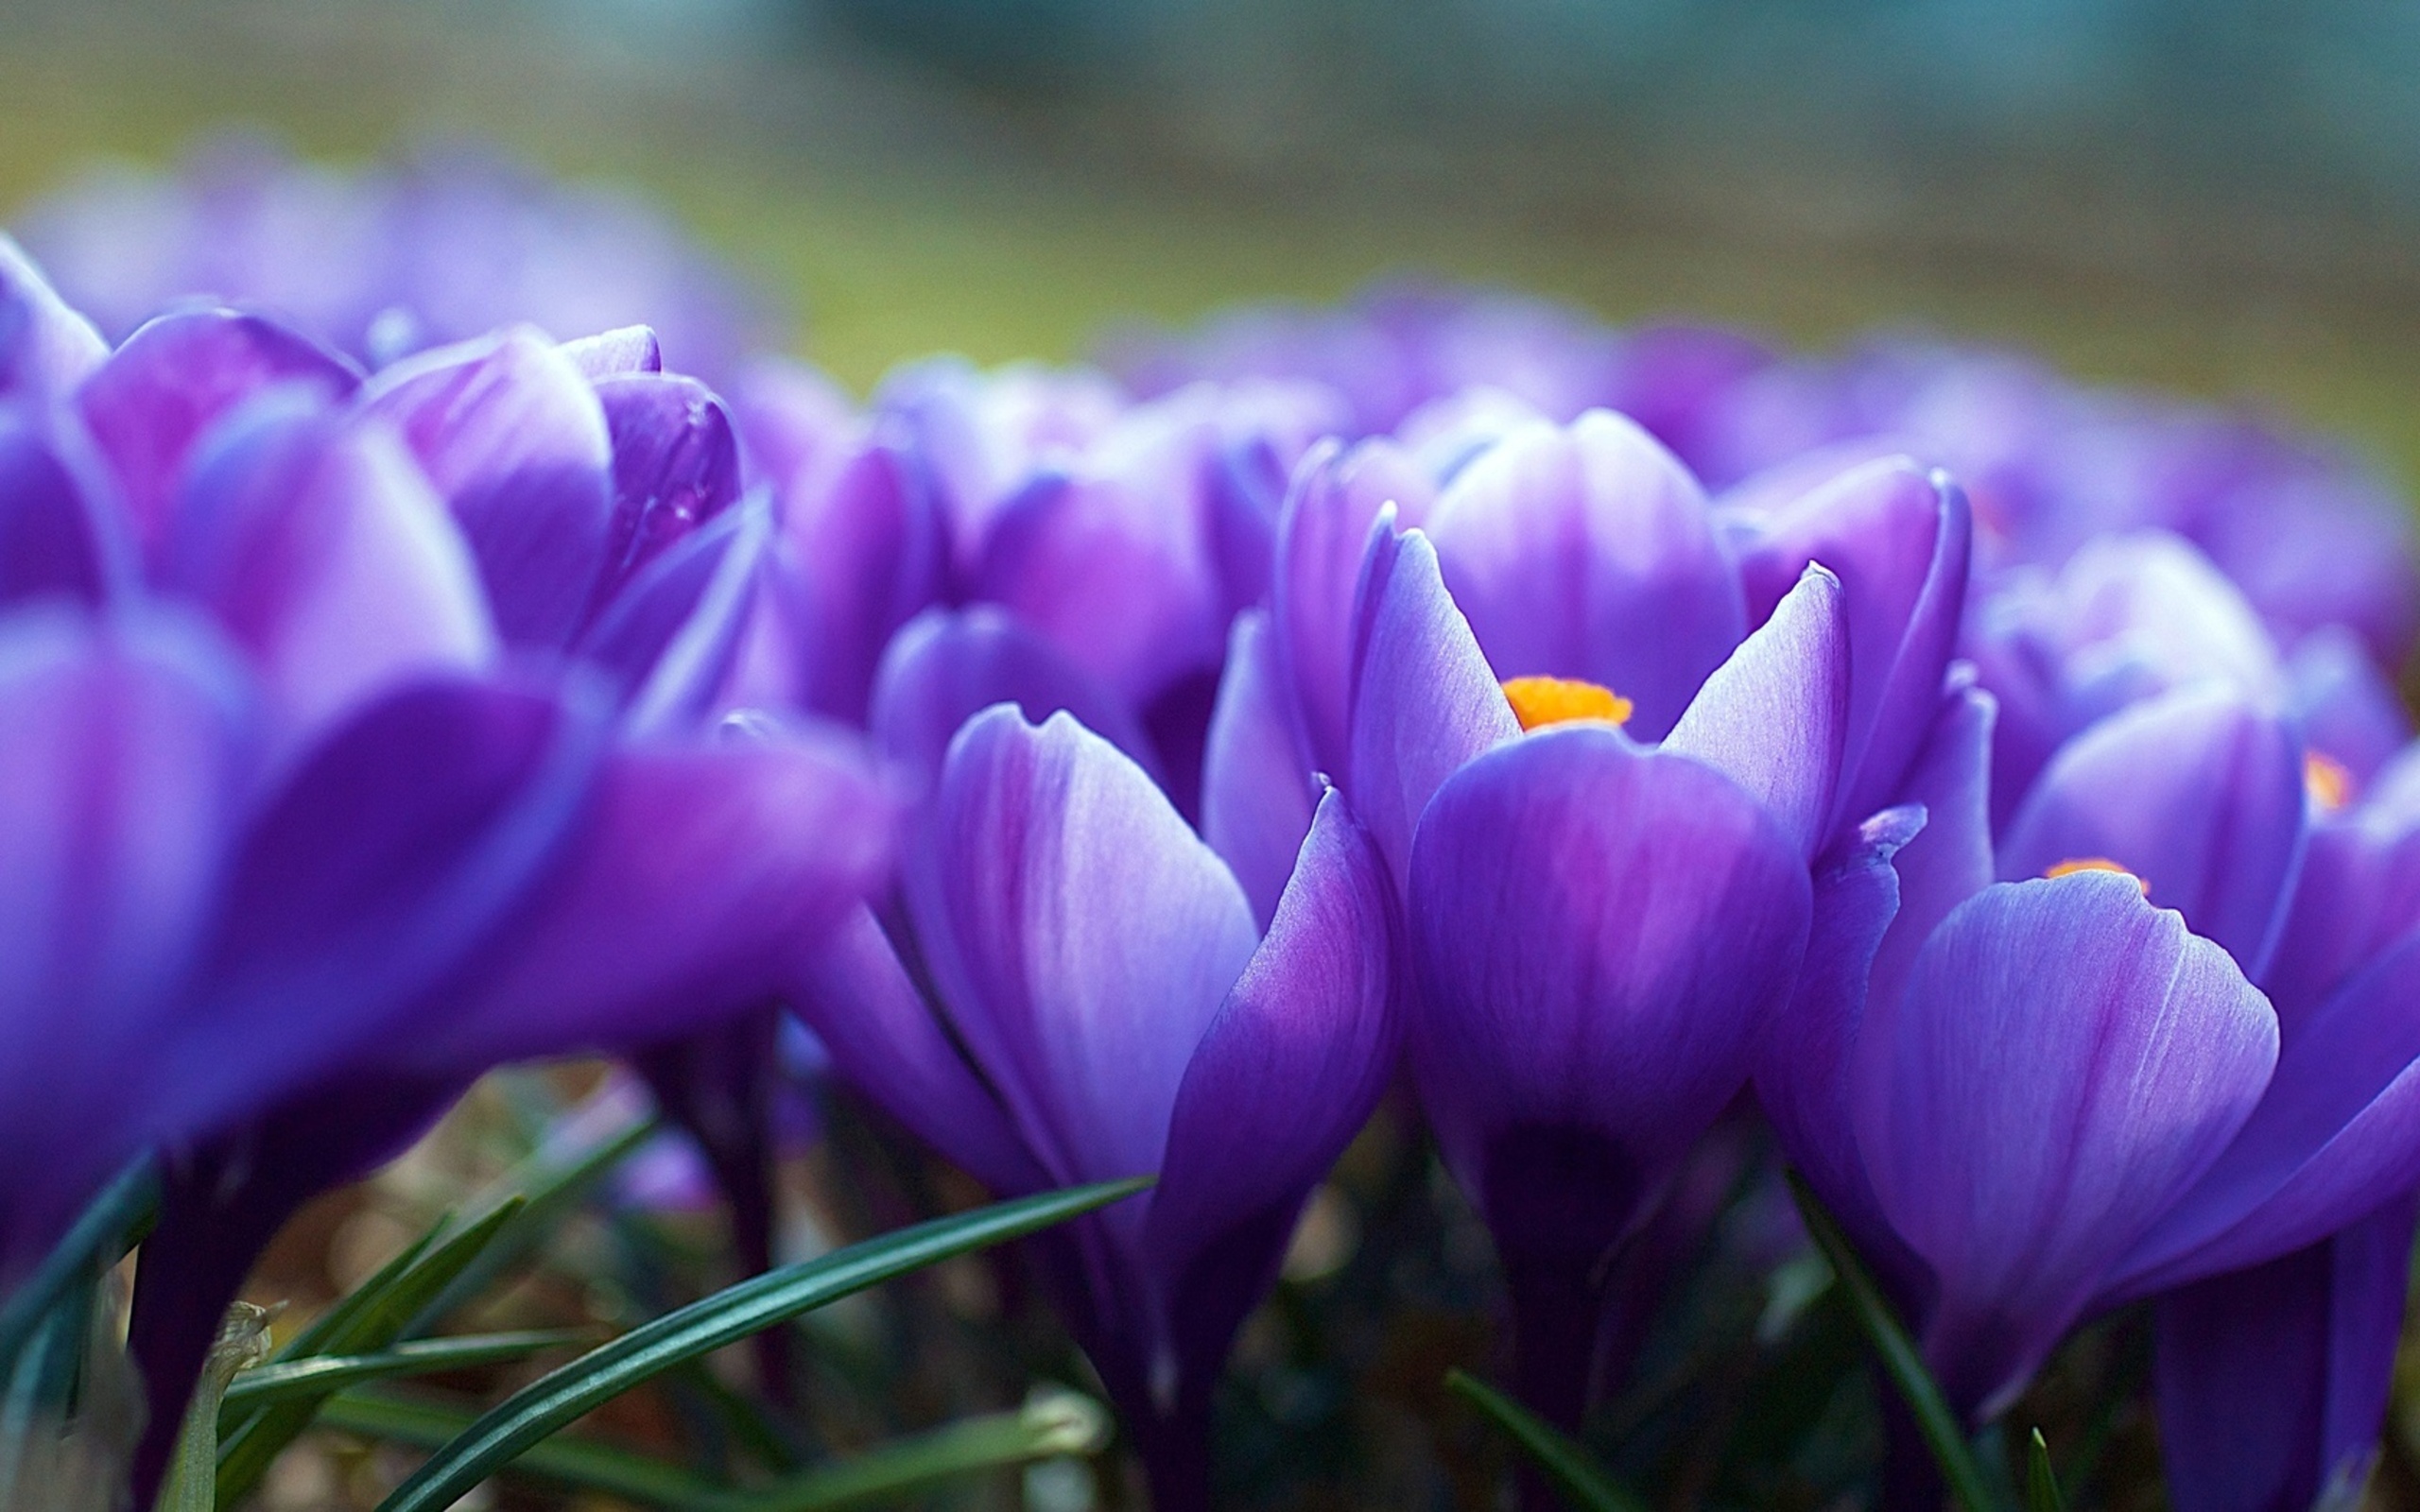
(381, 262)
(1111, 1009)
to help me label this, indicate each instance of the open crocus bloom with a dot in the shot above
(355, 748)
(1120, 1014)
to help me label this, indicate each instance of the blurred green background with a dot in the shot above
(1010, 179)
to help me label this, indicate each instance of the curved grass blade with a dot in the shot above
(242, 1342)
(315, 1379)
(539, 1410)
(1935, 1420)
(1052, 1425)
(1575, 1474)
(2041, 1482)
(371, 1318)
(99, 1236)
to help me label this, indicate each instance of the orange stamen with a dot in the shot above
(1540, 701)
(2068, 868)
(2327, 780)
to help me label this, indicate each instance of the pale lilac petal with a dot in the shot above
(630, 349)
(46, 348)
(2350, 713)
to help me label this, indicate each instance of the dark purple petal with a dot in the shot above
(315, 542)
(1897, 539)
(2066, 1060)
(2199, 793)
(1322, 535)
(670, 640)
(156, 395)
(676, 466)
(54, 538)
(1589, 552)
(696, 881)
(1258, 791)
(2271, 1383)
(1424, 700)
(949, 665)
(516, 443)
(1772, 716)
(1079, 936)
(884, 1038)
(868, 550)
(120, 778)
(1284, 1077)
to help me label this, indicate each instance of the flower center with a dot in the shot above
(1540, 701)
(2328, 781)
(2068, 868)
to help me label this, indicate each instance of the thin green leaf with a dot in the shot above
(192, 1480)
(100, 1236)
(1052, 1425)
(547, 1405)
(1575, 1475)
(2040, 1481)
(316, 1377)
(1935, 1420)
(371, 1319)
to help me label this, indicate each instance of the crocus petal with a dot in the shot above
(1589, 552)
(2338, 1133)
(2020, 1181)
(1081, 936)
(869, 549)
(1600, 933)
(630, 349)
(1774, 715)
(516, 443)
(1284, 1077)
(676, 466)
(1256, 793)
(2350, 713)
(315, 542)
(948, 666)
(46, 348)
(119, 784)
(1950, 860)
(1118, 577)
(52, 538)
(2198, 792)
(158, 392)
(668, 640)
(1322, 535)
(1898, 538)
(692, 882)
(1424, 700)
(2271, 1383)
(855, 996)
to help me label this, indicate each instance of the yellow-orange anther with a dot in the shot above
(2068, 868)
(1540, 701)
(2328, 781)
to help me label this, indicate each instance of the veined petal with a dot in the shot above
(948, 666)
(1079, 936)
(1256, 791)
(1425, 700)
(1600, 933)
(1772, 716)
(312, 538)
(157, 394)
(1284, 1076)
(516, 440)
(1589, 552)
(2199, 793)
(2142, 1050)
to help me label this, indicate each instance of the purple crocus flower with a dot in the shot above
(1103, 1005)
(313, 747)
(440, 247)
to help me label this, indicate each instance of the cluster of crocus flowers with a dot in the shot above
(1618, 733)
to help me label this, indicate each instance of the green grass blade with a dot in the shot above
(98, 1237)
(565, 1461)
(370, 1319)
(1576, 1476)
(726, 1317)
(2041, 1482)
(1052, 1425)
(322, 1375)
(1935, 1420)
